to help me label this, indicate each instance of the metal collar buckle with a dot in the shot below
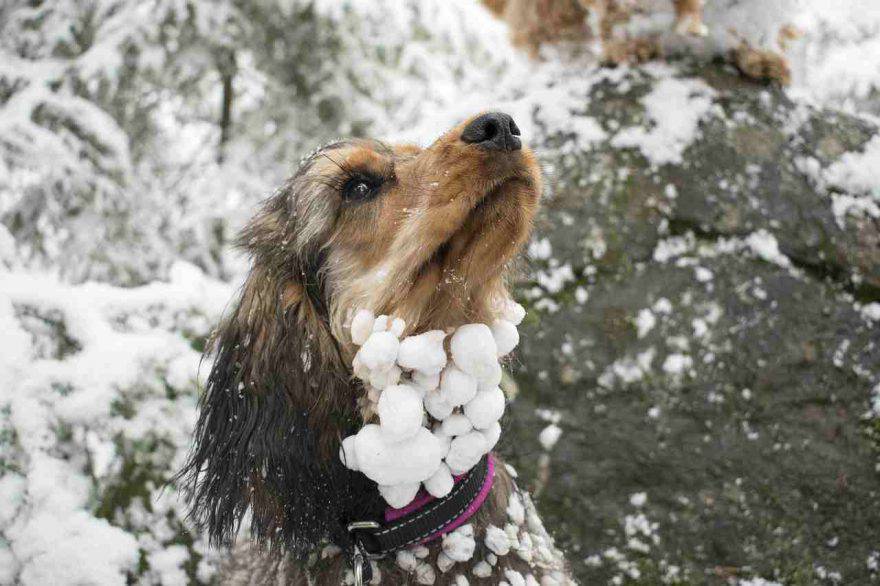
(361, 557)
(363, 529)
(362, 525)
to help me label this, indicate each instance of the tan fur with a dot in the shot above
(533, 23)
(761, 65)
(433, 203)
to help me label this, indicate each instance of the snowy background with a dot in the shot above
(122, 184)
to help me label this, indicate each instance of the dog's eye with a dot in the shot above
(361, 188)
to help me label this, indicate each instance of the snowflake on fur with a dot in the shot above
(438, 414)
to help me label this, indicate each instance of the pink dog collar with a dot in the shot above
(423, 499)
(427, 518)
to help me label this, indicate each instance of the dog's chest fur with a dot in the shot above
(527, 557)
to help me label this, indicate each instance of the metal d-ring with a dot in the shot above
(358, 562)
(353, 528)
(360, 554)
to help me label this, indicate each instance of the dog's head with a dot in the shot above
(421, 234)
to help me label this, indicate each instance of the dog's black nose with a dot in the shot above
(494, 131)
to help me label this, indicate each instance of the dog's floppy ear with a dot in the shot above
(277, 403)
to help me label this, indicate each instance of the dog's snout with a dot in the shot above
(494, 131)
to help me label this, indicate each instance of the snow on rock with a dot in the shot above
(675, 107)
(645, 322)
(465, 451)
(456, 386)
(506, 336)
(765, 246)
(638, 499)
(677, 364)
(440, 482)
(474, 351)
(549, 436)
(362, 326)
(485, 408)
(400, 412)
(858, 172)
(459, 545)
(843, 205)
(423, 352)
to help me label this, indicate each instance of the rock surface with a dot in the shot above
(705, 329)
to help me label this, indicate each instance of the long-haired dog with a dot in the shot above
(422, 234)
(533, 23)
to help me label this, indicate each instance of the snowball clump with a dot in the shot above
(438, 412)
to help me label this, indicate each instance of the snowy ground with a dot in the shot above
(106, 302)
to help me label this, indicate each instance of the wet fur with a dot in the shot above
(432, 247)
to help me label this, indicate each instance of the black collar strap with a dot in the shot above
(374, 540)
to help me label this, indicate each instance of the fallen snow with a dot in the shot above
(674, 108)
(645, 322)
(843, 205)
(549, 436)
(765, 246)
(858, 172)
(128, 349)
(677, 364)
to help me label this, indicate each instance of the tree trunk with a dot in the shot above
(226, 65)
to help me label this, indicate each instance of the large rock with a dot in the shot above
(701, 315)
